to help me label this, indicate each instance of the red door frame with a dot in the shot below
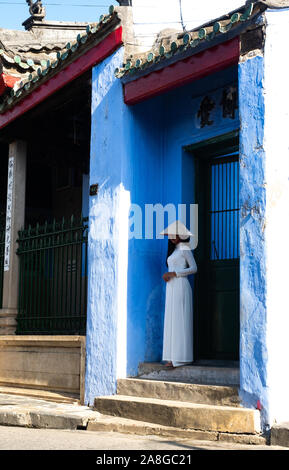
(183, 72)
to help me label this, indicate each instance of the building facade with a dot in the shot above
(198, 119)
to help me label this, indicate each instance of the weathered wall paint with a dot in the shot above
(104, 226)
(124, 164)
(253, 349)
(276, 144)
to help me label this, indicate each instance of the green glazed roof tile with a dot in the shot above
(194, 38)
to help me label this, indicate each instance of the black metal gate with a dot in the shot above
(53, 278)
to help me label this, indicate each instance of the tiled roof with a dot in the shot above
(22, 60)
(179, 45)
(35, 63)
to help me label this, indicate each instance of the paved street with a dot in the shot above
(18, 415)
(17, 438)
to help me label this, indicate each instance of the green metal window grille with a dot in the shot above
(225, 208)
(53, 278)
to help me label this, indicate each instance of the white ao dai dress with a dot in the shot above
(178, 323)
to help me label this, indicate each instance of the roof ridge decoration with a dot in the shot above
(36, 8)
(37, 13)
(191, 39)
(47, 68)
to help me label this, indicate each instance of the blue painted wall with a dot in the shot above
(164, 173)
(141, 148)
(253, 350)
(126, 153)
(106, 170)
(145, 182)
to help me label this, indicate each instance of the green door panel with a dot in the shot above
(216, 293)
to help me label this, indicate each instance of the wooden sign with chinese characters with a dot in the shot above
(207, 105)
(9, 213)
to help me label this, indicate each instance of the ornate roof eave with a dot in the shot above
(193, 42)
(95, 34)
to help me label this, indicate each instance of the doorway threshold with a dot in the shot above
(209, 373)
(216, 363)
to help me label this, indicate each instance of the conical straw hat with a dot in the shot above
(177, 228)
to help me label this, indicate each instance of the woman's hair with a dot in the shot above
(172, 246)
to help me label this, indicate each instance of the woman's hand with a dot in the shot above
(168, 276)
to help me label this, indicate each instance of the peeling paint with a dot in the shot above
(253, 346)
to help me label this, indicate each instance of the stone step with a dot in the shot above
(280, 434)
(198, 374)
(55, 397)
(106, 423)
(181, 414)
(194, 393)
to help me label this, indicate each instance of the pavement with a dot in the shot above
(31, 412)
(16, 410)
(19, 439)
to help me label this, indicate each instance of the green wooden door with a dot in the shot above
(217, 282)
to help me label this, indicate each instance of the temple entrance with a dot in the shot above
(52, 242)
(216, 297)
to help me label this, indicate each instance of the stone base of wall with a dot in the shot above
(54, 363)
(8, 321)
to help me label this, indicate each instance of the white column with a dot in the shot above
(277, 222)
(15, 215)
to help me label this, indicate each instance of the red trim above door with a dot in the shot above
(182, 72)
(65, 76)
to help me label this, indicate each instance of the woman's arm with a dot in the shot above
(192, 266)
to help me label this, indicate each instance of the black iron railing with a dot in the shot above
(53, 278)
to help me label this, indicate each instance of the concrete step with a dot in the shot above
(106, 423)
(181, 414)
(194, 393)
(56, 397)
(198, 374)
(42, 414)
(280, 434)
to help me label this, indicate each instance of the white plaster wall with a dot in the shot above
(152, 16)
(276, 143)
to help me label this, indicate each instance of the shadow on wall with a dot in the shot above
(154, 325)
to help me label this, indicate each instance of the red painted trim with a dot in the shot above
(182, 72)
(7, 81)
(65, 76)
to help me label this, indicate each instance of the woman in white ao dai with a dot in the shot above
(178, 323)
